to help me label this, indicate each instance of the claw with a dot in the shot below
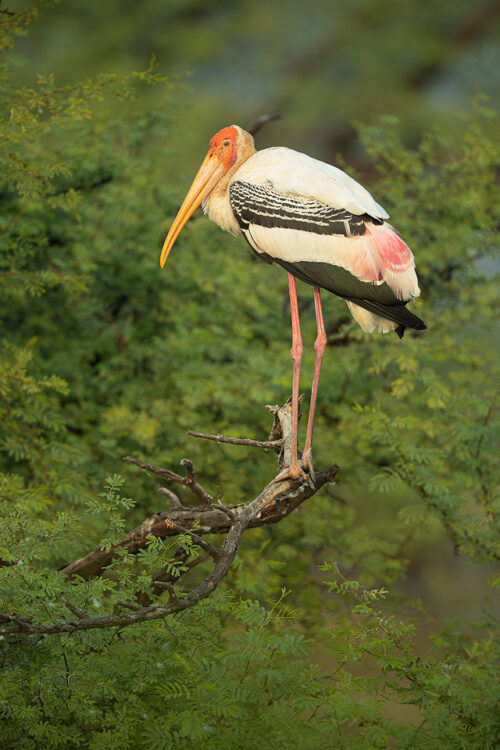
(308, 465)
(295, 472)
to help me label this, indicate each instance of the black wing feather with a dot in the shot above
(261, 205)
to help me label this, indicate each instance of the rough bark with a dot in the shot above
(276, 501)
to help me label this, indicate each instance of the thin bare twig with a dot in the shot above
(158, 470)
(13, 618)
(187, 481)
(129, 605)
(212, 551)
(174, 499)
(73, 608)
(266, 444)
(193, 485)
(169, 587)
(229, 513)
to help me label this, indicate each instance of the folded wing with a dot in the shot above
(326, 229)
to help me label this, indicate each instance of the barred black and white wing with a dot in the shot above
(326, 229)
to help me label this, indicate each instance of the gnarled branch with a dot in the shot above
(277, 500)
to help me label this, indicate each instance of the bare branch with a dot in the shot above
(211, 520)
(165, 473)
(212, 551)
(262, 509)
(187, 481)
(266, 444)
(13, 618)
(129, 605)
(174, 499)
(193, 485)
(229, 513)
(73, 608)
(277, 500)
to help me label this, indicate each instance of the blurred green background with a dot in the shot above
(324, 67)
(401, 94)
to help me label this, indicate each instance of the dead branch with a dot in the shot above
(277, 500)
(209, 548)
(174, 499)
(187, 481)
(265, 444)
(74, 609)
(165, 578)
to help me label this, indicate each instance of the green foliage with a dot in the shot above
(453, 688)
(102, 355)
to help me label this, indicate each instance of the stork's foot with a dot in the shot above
(296, 471)
(307, 464)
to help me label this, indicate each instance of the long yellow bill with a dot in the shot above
(208, 176)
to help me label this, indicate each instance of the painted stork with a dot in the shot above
(322, 227)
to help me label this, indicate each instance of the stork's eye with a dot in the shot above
(226, 143)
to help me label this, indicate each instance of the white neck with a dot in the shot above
(217, 205)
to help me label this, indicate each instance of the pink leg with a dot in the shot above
(296, 352)
(294, 469)
(319, 348)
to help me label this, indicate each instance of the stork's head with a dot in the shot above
(227, 149)
(223, 146)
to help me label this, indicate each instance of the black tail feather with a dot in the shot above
(317, 274)
(397, 313)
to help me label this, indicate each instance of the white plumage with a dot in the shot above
(296, 175)
(322, 227)
(311, 218)
(291, 172)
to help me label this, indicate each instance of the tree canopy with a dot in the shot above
(368, 617)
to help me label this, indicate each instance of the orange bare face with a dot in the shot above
(223, 146)
(221, 155)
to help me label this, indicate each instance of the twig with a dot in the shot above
(13, 618)
(158, 470)
(169, 587)
(266, 444)
(229, 513)
(193, 485)
(73, 608)
(174, 499)
(128, 605)
(212, 551)
(187, 481)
